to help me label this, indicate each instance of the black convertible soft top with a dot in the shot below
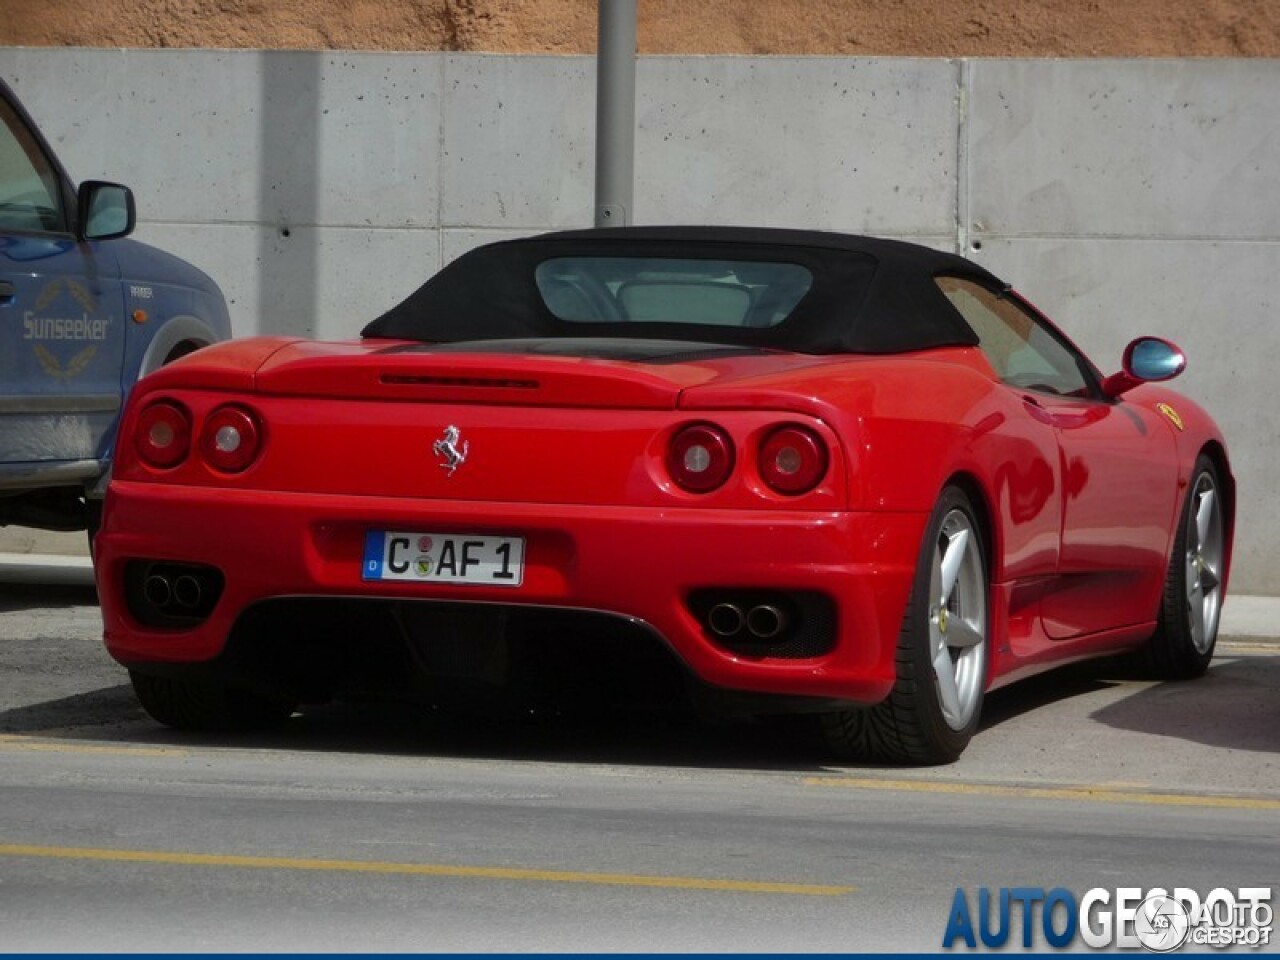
(867, 296)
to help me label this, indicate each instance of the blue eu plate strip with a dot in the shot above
(372, 569)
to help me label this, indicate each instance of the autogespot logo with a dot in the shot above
(1129, 918)
(1162, 924)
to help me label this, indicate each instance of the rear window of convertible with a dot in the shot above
(727, 293)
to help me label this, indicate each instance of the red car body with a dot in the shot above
(569, 453)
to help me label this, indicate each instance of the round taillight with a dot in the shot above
(163, 435)
(230, 439)
(700, 458)
(793, 460)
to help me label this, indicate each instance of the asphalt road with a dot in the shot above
(363, 827)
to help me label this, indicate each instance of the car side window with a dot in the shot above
(30, 194)
(1023, 352)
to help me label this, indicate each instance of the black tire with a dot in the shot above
(1187, 627)
(912, 725)
(205, 706)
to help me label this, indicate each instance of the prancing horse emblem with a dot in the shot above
(451, 455)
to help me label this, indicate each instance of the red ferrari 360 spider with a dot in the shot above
(777, 470)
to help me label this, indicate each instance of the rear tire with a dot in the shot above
(1187, 629)
(207, 707)
(933, 710)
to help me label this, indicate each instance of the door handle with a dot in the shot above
(1037, 411)
(7, 291)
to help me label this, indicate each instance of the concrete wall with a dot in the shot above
(1123, 197)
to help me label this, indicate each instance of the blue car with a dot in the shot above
(84, 312)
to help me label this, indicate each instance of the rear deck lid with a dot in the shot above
(554, 372)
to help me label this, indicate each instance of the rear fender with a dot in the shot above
(1194, 433)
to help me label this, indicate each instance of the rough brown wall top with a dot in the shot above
(927, 28)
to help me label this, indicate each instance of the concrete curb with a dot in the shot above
(49, 569)
(1251, 618)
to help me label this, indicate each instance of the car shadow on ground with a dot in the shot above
(641, 738)
(1221, 710)
(15, 596)
(1234, 706)
(92, 715)
(1035, 693)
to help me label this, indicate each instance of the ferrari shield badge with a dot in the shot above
(1172, 414)
(452, 454)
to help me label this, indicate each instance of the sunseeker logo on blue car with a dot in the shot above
(64, 313)
(1126, 918)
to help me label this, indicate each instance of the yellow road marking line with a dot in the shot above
(1097, 794)
(1229, 647)
(15, 742)
(423, 869)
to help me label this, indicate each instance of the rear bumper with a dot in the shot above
(636, 563)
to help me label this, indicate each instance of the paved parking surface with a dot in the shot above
(364, 827)
(1088, 724)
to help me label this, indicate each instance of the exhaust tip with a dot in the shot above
(726, 619)
(766, 621)
(157, 591)
(187, 591)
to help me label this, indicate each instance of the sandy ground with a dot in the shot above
(927, 28)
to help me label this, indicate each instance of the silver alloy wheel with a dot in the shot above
(958, 619)
(1204, 540)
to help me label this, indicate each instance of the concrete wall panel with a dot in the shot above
(1131, 148)
(285, 137)
(519, 144)
(256, 267)
(857, 145)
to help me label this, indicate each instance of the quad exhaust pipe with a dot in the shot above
(729, 621)
(163, 591)
(765, 622)
(167, 594)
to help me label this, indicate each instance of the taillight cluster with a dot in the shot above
(791, 459)
(164, 435)
(700, 458)
(230, 438)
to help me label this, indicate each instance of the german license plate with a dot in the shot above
(443, 558)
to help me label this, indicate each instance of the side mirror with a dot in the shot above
(1146, 360)
(104, 211)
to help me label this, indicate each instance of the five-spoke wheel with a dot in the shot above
(936, 701)
(958, 619)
